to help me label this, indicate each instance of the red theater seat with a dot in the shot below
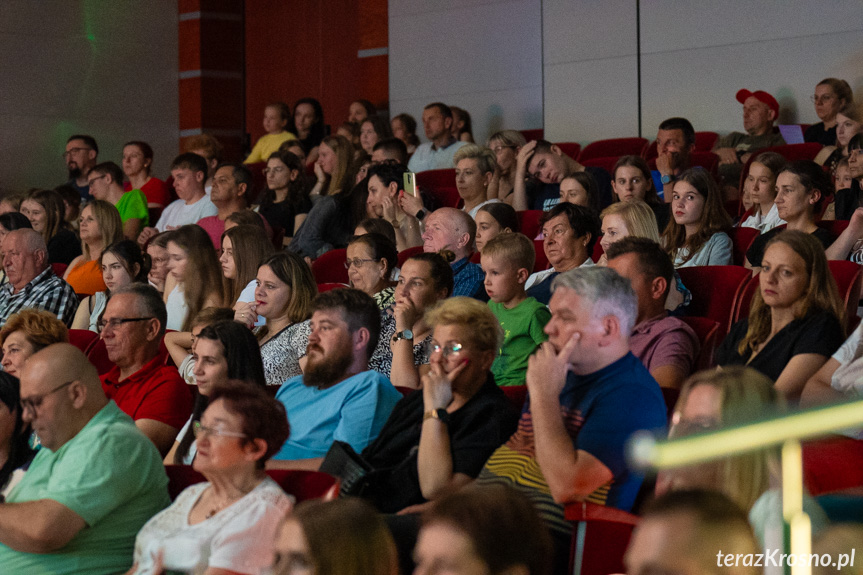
(614, 147)
(330, 267)
(715, 292)
(600, 538)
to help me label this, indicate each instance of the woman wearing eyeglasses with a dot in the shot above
(228, 523)
(370, 261)
(831, 95)
(286, 202)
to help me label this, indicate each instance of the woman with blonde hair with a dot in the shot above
(474, 169)
(194, 276)
(331, 168)
(243, 250)
(100, 226)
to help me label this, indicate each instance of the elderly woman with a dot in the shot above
(27, 332)
(370, 261)
(228, 523)
(15, 450)
(437, 440)
(474, 169)
(568, 235)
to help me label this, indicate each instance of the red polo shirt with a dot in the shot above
(156, 391)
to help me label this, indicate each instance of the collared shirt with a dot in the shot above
(468, 279)
(664, 340)
(45, 291)
(428, 157)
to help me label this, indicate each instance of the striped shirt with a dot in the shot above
(45, 291)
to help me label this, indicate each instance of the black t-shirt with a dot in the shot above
(663, 215)
(817, 133)
(482, 425)
(819, 332)
(64, 247)
(283, 214)
(755, 253)
(848, 200)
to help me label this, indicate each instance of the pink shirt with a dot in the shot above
(664, 340)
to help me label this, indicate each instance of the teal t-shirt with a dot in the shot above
(111, 475)
(522, 333)
(133, 205)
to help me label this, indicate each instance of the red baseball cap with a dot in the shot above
(760, 95)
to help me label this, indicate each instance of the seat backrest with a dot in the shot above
(705, 141)
(715, 291)
(794, 152)
(835, 227)
(445, 196)
(59, 269)
(605, 162)
(741, 239)
(259, 182)
(433, 179)
(571, 149)
(98, 356)
(541, 259)
(832, 464)
(744, 301)
(531, 135)
(322, 288)
(83, 339)
(614, 147)
(409, 252)
(476, 258)
(707, 331)
(330, 267)
(528, 222)
(600, 538)
(598, 250)
(706, 160)
(516, 394)
(848, 276)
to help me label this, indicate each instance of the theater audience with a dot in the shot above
(91, 486)
(505, 145)
(285, 203)
(761, 180)
(461, 125)
(849, 123)
(372, 130)
(309, 126)
(507, 262)
(665, 345)
(45, 210)
(568, 235)
(27, 332)
(405, 129)
(474, 169)
(157, 249)
(332, 167)
(71, 205)
(404, 347)
(454, 231)
(492, 220)
(376, 226)
(580, 189)
(585, 368)
(9, 222)
(276, 118)
(386, 184)
(31, 281)
(624, 219)
(194, 276)
(106, 183)
(360, 110)
(849, 199)
(137, 163)
(831, 95)
(100, 227)
(344, 537)
(150, 392)
(698, 233)
(209, 148)
(121, 264)
(841, 179)
(337, 398)
(228, 522)
(390, 149)
(231, 183)
(838, 379)
(181, 344)
(371, 259)
(794, 322)
(675, 142)
(15, 450)
(631, 180)
(283, 297)
(800, 189)
(80, 157)
(437, 153)
(244, 248)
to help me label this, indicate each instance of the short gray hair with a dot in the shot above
(150, 301)
(485, 158)
(610, 293)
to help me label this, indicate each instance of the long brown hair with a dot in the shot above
(291, 269)
(110, 226)
(713, 218)
(250, 246)
(338, 180)
(52, 203)
(203, 266)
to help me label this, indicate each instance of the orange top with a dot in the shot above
(86, 278)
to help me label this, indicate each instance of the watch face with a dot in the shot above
(408, 334)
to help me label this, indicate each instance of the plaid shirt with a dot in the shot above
(45, 291)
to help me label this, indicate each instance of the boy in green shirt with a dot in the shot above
(507, 261)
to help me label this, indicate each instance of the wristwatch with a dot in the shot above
(440, 414)
(421, 214)
(406, 334)
(666, 179)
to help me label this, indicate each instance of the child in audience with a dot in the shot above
(507, 261)
(761, 182)
(194, 276)
(492, 220)
(580, 189)
(276, 117)
(181, 344)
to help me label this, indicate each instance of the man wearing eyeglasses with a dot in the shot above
(80, 156)
(150, 392)
(92, 486)
(230, 185)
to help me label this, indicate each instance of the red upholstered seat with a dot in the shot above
(571, 149)
(59, 269)
(707, 331)
(330, 267)
(614, 147)
(405, 254)
(433, 179)
(528, 222)
(741, 239)
(848, 276)
(541, 259)
(832, 464)
(330, 286)
(531, 135)
(83, 339)
(715, 292)
(744, 301)
(600, 538)
(98, 356)
(516, 394)
(303, 485)
(605, 162)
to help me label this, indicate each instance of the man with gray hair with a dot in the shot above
(455, 231)
(31, 283)
(587, 395)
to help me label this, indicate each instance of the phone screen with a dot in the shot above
(410, 183)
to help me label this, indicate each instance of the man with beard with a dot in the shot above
(80, 155)
(337, 398)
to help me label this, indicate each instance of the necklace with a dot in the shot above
(228, 501)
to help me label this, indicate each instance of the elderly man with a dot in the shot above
(92, 486)
(31, 281)
(337, 398)
(436, 154)
(454, 230)
(150, 392)
(587, 395)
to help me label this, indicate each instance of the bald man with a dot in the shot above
(31, 281)
(454, 230)
(91, 487)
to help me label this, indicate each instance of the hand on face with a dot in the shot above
(523, 157)
(437, 385)
(547, 369)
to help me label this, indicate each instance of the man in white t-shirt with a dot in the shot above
(189, 172)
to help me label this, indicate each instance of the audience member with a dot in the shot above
(682, 532)
(10, 202)
(92, 485)
(801, 186)
(831, 95)
(285, 203)
(675, 141)
(841, 179)
(137, 163)
(437, 153)
(283, 297)
(209, 148)
(228, 522)
(15, 450)
(31, 281)
(580, 189)
(247, 218)
(157, 249)
(244, 248)
(331, 222)
(453, 230)
(836, 541)
(405, 129)
(390, 149)
(505, 144)
(229, 194)
(848, 200)
(404, 347)
(849, 123)
(100, 227)
(25, 333)
(181, 344)
(337, 398)
(665, 345)
(386, 184)
(332, 167)
(507, 262)
(624, 219)
(631, 180)
(838, 379)
(296, 148)
(794, 322)
(438, 439)
(45, 210)
(309, 127)
(106, 183)
(568, 235)
(276, 118)
(80, 156)
(492, 220)
(150, 392)
(194, 276)
(474, 169)
(569, 445)
(360, 166)
(71, 205)
(360, 110)
(698, 233)
(761, 180)
(121, 264)
(189, 171)
(9, 222)
(371, 259)
(376, 226)
(373, 130)
(461, 125)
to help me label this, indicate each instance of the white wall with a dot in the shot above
(481, 55)
(108, 69)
